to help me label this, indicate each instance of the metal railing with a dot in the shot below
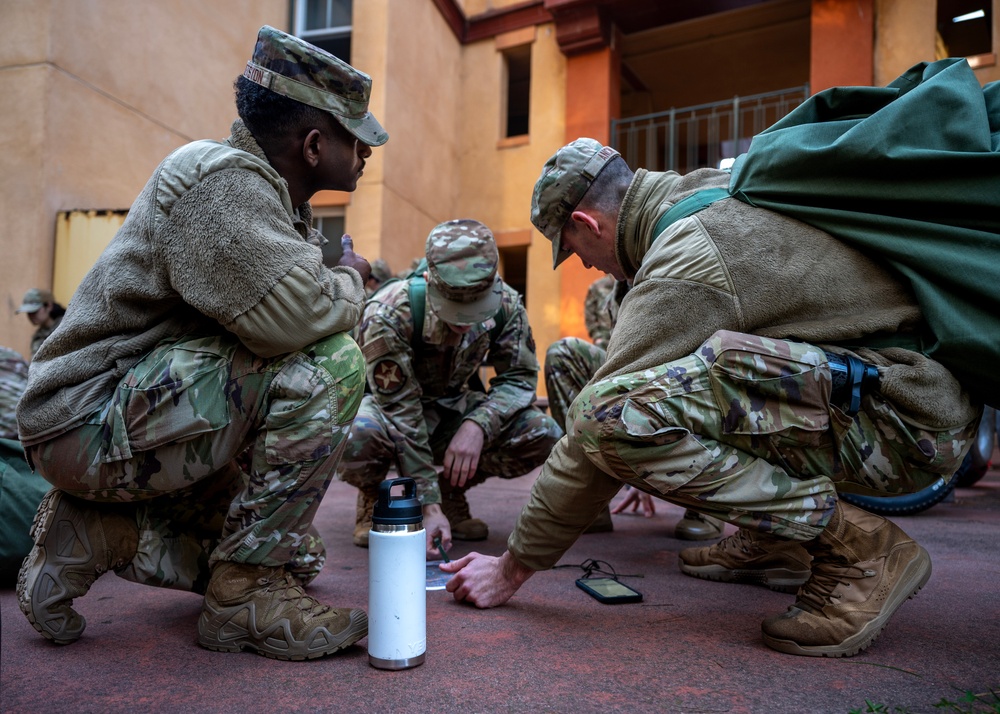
(695, 137)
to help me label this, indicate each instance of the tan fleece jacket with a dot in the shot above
(734, 267)
(212, 242)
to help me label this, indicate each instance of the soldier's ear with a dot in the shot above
(586, 222)
(312, 147)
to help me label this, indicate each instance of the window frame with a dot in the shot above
(319, 34)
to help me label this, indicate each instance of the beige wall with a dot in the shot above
(99, 103)
(93, 103)
(423, 113)
(441, 103)
(904, 36)
(496, 183)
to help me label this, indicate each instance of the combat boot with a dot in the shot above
(456, 510)
(697, 526)
(363, 516)
(864, 567)
(749, 556)
(75, 543)
(262, 609)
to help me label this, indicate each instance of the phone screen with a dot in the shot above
(608, 590)
(608, 587)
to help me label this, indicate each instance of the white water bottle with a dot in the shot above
(397, 578)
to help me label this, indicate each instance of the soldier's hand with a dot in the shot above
(351, 259)
(462, 457)
(436, 524)
(637, 499)
(485, 581)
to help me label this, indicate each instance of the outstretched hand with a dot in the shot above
(485, 581)
(637, 500)
(350, 259)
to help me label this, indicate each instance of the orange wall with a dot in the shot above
(842, 44)
(592, 99)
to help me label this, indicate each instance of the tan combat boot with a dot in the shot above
(456, 510)
(363, 516)
(750, 557)
(697, 526)
(261, 609)
(864, 567)
(75, 543)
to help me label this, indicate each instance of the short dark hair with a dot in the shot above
(271, 117)
(609, 188)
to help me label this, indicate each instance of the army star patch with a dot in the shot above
(388, 377)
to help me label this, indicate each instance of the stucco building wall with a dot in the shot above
(97, 102)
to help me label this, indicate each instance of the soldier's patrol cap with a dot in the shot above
(565, 178)
(35, 299)
(381, 270)
(462, 282)
(292, 67)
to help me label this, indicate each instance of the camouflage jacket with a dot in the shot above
(731, 267)
(407, 376)
(597, 313)
(212, 243)
(13, 378)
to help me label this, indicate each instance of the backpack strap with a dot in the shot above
(418, 294)
(689, 206)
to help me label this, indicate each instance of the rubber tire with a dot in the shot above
(903, 505)
(971, 470)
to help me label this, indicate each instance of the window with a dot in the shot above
(517, 63)
(331, 224)
(965, 29)
(514, 269)
(326, 24)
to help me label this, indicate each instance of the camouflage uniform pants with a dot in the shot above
(570, 364)
(225, 455)
(744, 430)
(375, 445)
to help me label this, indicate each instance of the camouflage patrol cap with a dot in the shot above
(565, 179)
(34, 300)
(295, 69)
(462, 282)
(380, 270)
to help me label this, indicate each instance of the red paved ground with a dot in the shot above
(691, 646)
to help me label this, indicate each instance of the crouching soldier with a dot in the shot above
(425, 339)
(193, 403)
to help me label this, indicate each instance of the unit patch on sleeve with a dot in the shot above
(388, 377)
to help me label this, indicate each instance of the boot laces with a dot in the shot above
(742, 541)
(824, 583)
(279, 581)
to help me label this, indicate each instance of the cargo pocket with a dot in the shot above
(768, 396)
(302, 413)
(173, 395)
(650, 447)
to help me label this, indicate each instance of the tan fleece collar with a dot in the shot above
(241, 138)
(645, 201)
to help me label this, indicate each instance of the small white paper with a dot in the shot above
(436, 578)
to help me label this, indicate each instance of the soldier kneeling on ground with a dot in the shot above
(193, 403)
(425, 339)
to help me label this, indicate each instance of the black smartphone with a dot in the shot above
(608, 590)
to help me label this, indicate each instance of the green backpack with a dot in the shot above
(911, 173)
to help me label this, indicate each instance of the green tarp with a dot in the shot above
(20, 493)
(910, 171)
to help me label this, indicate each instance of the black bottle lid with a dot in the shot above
(399, 510)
